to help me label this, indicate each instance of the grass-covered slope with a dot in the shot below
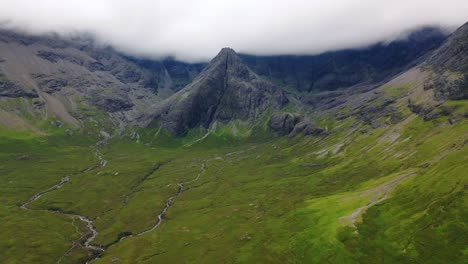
(391, 194)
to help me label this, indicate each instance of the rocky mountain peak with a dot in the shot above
(228, 63)
(226, 52)
(226, 90)
(226, 57)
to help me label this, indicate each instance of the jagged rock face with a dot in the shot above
(291, 124)
(283, 123)
(346, 68)
(13, 90)
(225, 90)
(451, 57)
(445, 88)
(66, 74)
(453, 54)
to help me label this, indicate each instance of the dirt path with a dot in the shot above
(380, 193)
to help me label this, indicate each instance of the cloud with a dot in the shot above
(196, 30)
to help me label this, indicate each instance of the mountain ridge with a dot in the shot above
(225, 90)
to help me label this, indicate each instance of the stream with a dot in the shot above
(87, 244)
(89, 223)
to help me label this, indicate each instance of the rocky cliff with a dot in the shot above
(226, 90)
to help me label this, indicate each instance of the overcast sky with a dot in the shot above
(194, 30)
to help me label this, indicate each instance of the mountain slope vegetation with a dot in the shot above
(369, 174)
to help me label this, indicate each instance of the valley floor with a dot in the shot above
(393, 194)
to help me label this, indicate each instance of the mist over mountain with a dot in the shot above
(343, 141)
(195, 31)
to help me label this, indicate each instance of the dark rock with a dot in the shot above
(11, 89)
(56, 56)
(451, 89)
(346, 68)
(56, 123)
(8, 36)
(325, 100)
(376, 111)
(49, 56)
(51, 84)
(429, 111)
(292, 125)
(306, 128)
(111, 104)
(283, 123)
(425, 165)
(38, 103)
(95, 66)
(422, 109)
(226, 90)
(127, 74)
(453, 54)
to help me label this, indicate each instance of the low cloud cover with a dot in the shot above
(196, 30)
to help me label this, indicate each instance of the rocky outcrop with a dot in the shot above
(11, 89)
(292, 124)
(115, 102)
(448, 88)
(453, 53)
(226, 90)
(450, 63)
(50, 84)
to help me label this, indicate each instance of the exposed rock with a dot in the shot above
(50, 84)
(451, 89)
(104, 134)
(347, 68)
(114, 104)
(453, 54)
(292, 125)
(50, 56)
(306, 128)
(283, 123)
(69, 132)
(10, 36)
(377, 110)
(325, 100)
(38, 103)
(11, 89)
(56, 123)
(226, 90)
(95, 66)
(450, 58)
(430, 110)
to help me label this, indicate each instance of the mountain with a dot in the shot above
(75, 81)
(345, 68)
(159, 164)
(225, 90)
(448, 60)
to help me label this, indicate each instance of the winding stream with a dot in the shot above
(87, 244)
(89, 223)
(169, 203)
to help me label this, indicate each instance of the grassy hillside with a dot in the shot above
(357, 194)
